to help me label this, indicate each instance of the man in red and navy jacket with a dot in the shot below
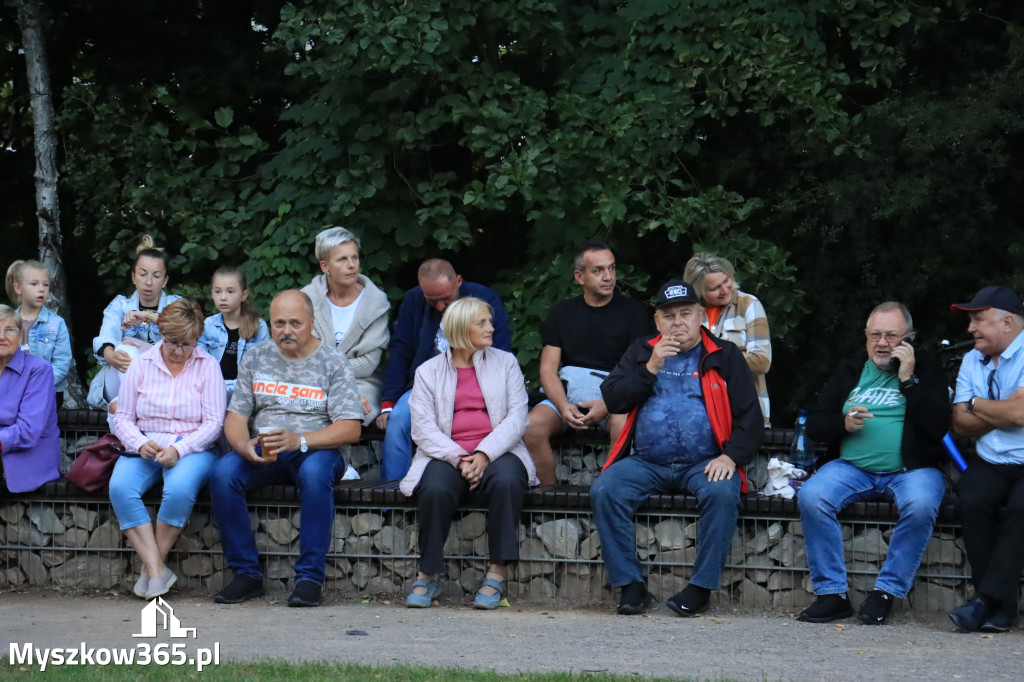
(693, 422)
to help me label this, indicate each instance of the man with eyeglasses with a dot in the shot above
(303, 401)
(693, 422)
(989, 406)
(883, 416)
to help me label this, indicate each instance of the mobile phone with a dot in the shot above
(895, 362)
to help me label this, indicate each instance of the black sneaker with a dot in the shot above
(827, 607)
(691, 601)
(306, 593)
(875, 608)
(635, 599)
(241, 588)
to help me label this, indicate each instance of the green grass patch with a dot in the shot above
(293, 672)
(306, 672)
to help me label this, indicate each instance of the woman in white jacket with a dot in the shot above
(469, 414)
(350, 313)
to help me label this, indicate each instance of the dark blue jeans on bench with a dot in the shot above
(314, 473)
(625, 485)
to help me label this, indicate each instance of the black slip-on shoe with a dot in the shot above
(875, 609)
(635, 599)
(241, 588)
(306, 593)
(826, 608)
(691, 601)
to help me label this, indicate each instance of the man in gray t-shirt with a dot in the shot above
(303, 397)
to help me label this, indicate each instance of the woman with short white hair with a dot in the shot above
(469, 414)
(350, 313)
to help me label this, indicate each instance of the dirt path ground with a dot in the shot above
(734, 645)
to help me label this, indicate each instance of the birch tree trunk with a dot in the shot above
(47, 174)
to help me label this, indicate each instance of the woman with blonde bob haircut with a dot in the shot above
(734, 316)
(469, 414)
(170, 412)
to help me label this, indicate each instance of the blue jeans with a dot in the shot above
(314, 473)
(626, 484)
(133, 476)
(917, 493)
(396, 451)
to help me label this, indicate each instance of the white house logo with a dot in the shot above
(158, 615)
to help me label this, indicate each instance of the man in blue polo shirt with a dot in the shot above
(989, 406)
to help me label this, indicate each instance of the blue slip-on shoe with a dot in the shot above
(489, 602)
(423, 601)
(971, 615)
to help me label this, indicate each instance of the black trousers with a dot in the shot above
(991, 502)
(442, 488)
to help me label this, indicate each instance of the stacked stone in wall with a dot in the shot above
(70, 547)
(79, 546)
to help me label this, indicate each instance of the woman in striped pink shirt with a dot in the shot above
(170, 412)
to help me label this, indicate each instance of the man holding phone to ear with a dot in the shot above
(883, 417)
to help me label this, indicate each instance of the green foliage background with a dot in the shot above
(839, 152)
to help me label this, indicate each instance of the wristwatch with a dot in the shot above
(303, 445)
(912, 380)
(970, 404)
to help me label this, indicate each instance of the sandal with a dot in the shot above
(490, 601)
(423, 601)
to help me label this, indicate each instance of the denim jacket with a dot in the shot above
(110, 332)
(215, 339)
(113, 316)
(48, 339)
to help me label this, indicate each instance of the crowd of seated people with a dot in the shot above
(682, 394)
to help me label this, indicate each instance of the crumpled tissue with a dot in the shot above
(780, 477)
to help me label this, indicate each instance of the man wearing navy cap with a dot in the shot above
(693, 422)
(989, 405)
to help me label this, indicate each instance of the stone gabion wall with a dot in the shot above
(78, 545)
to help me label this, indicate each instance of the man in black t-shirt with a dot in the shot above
(583, 339)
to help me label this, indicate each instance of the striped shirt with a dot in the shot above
(186, 411)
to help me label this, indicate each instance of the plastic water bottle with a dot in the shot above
(801, 453)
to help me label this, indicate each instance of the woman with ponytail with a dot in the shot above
(129, 323)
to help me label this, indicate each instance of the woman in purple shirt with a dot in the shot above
(29, 438)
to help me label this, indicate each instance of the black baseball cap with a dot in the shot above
(992, 297)
(675, 291)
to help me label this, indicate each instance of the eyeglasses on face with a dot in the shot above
(876, 336)
(10, 331)
(187, 347)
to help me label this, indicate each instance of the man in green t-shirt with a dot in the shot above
(883, 418)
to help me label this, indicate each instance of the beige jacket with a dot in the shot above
(432, 405)
(364, 342)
